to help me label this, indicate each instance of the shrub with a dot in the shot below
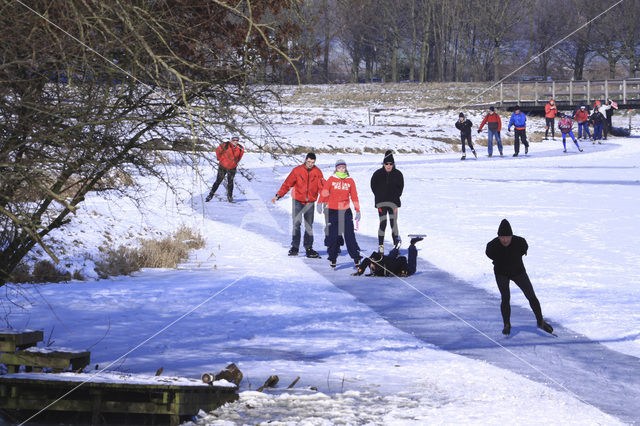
(21, 274)
(45, 271)
(165, 253)
(318, 121)
(121, 261)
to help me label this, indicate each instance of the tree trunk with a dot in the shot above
(327, 42)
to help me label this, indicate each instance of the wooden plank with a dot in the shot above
(54, 360)
(9, 342)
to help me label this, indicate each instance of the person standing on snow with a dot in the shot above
(338, 191)
(550, 111)
(229, 155)
(608, 115)
(506, 252)
(307, 181)
(519, 122)
(598, 120)
(392, 264)
(387, 184)
(566, 128)
(464, 125)
(494, 125)
(582, 118)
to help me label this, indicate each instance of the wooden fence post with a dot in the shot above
(606, 90)
(553, 89)
(501, 94)
(535, 91)
(588, 92)
(624, 91)
(519, 92)
(571, 92)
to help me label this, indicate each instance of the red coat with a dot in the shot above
(550, 111)
(336, 193)
(306, 184)
(491, 119)
(582, 115)
(228, 155)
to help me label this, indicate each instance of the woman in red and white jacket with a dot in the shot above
(337, 194)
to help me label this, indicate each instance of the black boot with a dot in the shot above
(415, 240)
(312, 254)
(507, 329)
(543, 325)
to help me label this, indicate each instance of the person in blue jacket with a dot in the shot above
(519, 122)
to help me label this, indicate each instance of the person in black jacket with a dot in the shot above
(598, 120)
(392, 264)
(387, 184)
(506, 251)
(464, 125)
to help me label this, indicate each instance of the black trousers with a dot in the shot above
(466, 137)
(524, 283)
(549, 125)
(519, 134)
(222, 171)
(383, 212)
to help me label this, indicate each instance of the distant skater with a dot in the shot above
(519, 122)
(464, 125)
(598, 120)
(550, 112)
(506, 251)
(566, 128)
(229, 155)
(494, 125)
(582, 118)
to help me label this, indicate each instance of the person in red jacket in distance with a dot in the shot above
(229, 155)
(307, 182)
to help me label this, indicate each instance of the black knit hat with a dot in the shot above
(388, 157)
(504, 230)
(491, 108)
(310, 155)
(461, 115)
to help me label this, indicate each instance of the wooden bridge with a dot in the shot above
(532, 96)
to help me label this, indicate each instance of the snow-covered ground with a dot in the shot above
(250, 304)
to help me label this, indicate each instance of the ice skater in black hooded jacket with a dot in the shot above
(464, 125)
(387, 184)
(506, 251)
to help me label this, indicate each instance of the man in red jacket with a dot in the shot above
(307, 182)
(229, 155)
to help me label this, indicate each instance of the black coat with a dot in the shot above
(597, 118)
(464, 127)
(387, 187)
(389, 265)
(507, 261)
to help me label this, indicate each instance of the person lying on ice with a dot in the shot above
(391, 264)
(506, 251)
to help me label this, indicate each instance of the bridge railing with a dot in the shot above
(573, 92)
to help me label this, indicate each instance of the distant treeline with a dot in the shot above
(456, 40)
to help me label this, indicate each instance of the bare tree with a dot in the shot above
(92, 90)
(496, 21)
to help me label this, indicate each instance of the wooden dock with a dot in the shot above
(160, 401)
